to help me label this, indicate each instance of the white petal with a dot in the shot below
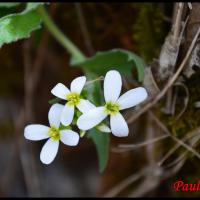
(49, 151)
(60, 91)
(36, 132)
(132, 98)
(67, 115)
(118, 125)
(54, 114)
(91, 118)
(77, 84)
(69, 137)
(112, 85)
(85, 105)
(104, 128)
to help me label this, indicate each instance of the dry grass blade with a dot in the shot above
(177, 24)
(188, 136)
(189, 148)
(130, 147)
(164, 128)
(147, 185)
(125, 183)
(181, 158)
(186, 99)
(134, 146)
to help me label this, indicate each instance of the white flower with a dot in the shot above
(101, 127)
(37, 132)
(72, 97)
(114, 103)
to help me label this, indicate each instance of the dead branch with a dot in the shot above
(171, 81)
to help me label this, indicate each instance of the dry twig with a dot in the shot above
(188, 136)
(169, 83)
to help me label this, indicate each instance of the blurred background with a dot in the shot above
(138, 27)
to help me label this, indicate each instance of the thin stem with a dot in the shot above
(64, 41)
(84, 29)
(172, 150)
(100, 78)
(134, 146)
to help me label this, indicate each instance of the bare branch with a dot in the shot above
(171, 81)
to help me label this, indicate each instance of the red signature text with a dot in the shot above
(186, 187)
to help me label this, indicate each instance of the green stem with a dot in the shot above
(64, 41)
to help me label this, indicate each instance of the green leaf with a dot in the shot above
(94, 91)
(32, 6)
(101, 140)
(54, 100)
(9, 5)
(118, 59)
(19, 26)
(6, 10)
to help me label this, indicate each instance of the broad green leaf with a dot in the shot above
(118, 59)
(9, 4)
(7, 10)
(101, 141)
(19, 26)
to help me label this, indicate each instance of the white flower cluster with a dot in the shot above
(62, 117)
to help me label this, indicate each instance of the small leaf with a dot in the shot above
(101, 140)
(94, 93)
(118, 59)
(82, 133)
(18, 26)
(9, 5)
(54, 100)
(63, 127)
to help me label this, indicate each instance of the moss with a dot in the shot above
(147, 30)
(190, 119)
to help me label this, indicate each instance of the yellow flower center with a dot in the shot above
(111, 108)
(54, 133)
(73, 99)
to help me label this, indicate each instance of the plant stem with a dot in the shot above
(64, 41)
(100, 78)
